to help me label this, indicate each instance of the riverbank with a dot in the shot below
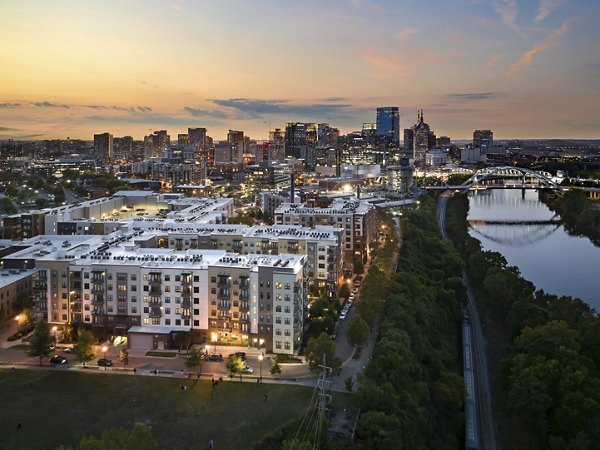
(537, 342)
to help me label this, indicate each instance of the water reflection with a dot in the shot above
(544, 253)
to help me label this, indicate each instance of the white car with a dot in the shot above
(355, 290)
(342, 315)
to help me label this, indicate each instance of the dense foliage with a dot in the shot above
(551, 375)
(580, 215)
(412, 393)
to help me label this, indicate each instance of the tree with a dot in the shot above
(118, 438)
(321, 350)
(234, 365)
(357, 332)
(349, 384)
(344, 291)
(193, 360)
(124, 356)
(40, 341)
(358, 266)
(84, 349)
(275, 368)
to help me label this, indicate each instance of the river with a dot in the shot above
(545, 254)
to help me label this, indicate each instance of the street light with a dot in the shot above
(207, 348)
(54, 328)
(18, 319)
(260, 358)
(104, 350)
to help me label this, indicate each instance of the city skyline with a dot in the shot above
(524, 70)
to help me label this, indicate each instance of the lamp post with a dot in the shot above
(207, 349)
(54, 328)
(104, 350)
(260, 359)
(18, 319)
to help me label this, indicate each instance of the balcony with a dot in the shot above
(76, 308)
(186, 303)
(186, 291)
(224, 306)
(153, 281)
(155, 291)
(97, 288)
(155, 302)
(40, 286)
(185, 314)
(244, 307)
(223, 284)
(155, 313)
(98, 299)
(223, 294)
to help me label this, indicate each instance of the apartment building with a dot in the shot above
(160, 296)
(357, 219)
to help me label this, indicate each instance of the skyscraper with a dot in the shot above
(423, 139)
(103, 148)
(483, 138)
(388, 123)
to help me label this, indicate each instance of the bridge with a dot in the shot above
(554, 220)
(528, 179)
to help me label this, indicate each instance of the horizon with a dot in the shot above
(74, 70)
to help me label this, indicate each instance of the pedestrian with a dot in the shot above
(134, 370)
(266, 398)
(211, 444)
(198, 375)
(19, 426)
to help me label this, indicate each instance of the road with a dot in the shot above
(487, 428)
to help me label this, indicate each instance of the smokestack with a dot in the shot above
(358, 192)
(292, 187)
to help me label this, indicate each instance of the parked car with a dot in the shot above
(104, 362)
(355, 290)
(343, 315)
(333, 336)
(247, 370)
(57, 359)
(215, 357)
(68, 350)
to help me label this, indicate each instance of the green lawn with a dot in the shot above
(59, 406)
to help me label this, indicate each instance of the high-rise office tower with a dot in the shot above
(103, 148)
(299, 137)
(483, 138)
(423, 139)
(388, 123)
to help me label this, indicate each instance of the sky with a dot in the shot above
(523, 68)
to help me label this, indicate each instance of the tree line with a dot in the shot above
(412, 393)
(547, 347)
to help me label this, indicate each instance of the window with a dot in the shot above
(287, 345)
(167, 310)
(287, 309)
(167, 277)
(278, 285)
(133, 277)
(196, 323)
(134, 310)
(167, 321)
(287, 321)
(287, 332)
(278, 344)
(286, 286)
(167, 288)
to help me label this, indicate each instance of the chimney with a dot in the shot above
(292, 187)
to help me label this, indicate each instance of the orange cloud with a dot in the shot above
(394, 65)
(405, 33)
(494, 60)
(527, 57)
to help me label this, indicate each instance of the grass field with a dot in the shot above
(59, 407)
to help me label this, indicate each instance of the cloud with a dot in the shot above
(333, 99)
(394, 65)
(198, 112)
(527, 58)
(474, 96)
(151, 119)
(9, 105)
(508, 11)
(141, 109)
(254, 108)
(49, 105)
(494, 60)
(405, 33)
(8, 129)
(546, 7)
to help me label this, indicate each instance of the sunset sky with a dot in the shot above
(525, 69)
